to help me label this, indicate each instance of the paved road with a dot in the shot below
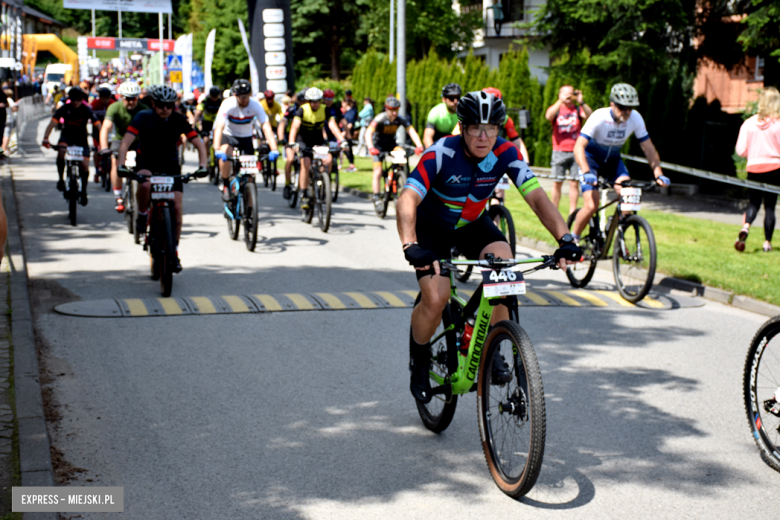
(308, 415)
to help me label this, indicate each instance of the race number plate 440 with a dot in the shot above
(162, 188)
(502, 282)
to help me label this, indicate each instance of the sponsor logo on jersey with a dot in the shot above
(618, 133)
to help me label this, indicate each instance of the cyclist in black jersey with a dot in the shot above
(158, 131)
(283, 131)
(381, 136)
(75, 115)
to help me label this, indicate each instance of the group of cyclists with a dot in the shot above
(468, 145)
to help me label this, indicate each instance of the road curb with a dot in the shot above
(695, 289)
(355, 192)
(34, 443)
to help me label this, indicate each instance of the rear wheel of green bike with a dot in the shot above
(512, 417)
(438, 413)
(580, 274)
(633, 258)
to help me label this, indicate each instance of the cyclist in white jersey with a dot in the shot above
(233, 127)
(597, 150)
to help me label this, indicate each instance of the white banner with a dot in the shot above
(208, 58)
(253, 76)
(136, 6)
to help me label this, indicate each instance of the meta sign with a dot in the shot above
(271, 35)
(129, 44)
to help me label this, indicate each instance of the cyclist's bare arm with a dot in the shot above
(369, 137)
(415, 137)
(124, 146)
(652, 157)
(49, 128)
(280, 129)
(335, 129)
(203, 154)
(521, 146)
(428, 134)
(579, 154)
(268, 132)
(105, 130)
(549, 216)
(406, 214)
(218, 128)
(294, 130)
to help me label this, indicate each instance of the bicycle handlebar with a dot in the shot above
(645, 185)
(545, 261)
(143, 178)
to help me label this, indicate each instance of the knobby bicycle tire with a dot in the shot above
(334, 184)
(154, 243)
(274, 175)
(234, 223)
(384, 196)
(506, 225)
(515, 409)
(438, 413)
(249, 215)
(167, 258)
(308, 214)
(73, 193)
(760, 386)
(324, 201)
(581, 273)
(294, 176)
(129, 198)
(637, 260)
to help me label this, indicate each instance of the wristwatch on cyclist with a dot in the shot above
(566, 239)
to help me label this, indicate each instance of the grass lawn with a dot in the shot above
(693, 249)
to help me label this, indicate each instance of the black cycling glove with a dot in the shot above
(568, 251)
(419, 257)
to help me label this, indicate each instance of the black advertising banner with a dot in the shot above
(271, 42)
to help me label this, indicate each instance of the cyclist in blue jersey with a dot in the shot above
(443, 206)
(597, 149)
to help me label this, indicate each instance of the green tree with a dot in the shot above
(761, 36)
(230, 61)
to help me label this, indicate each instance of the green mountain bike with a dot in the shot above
(511, 412)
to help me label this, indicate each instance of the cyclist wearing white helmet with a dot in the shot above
(307, 131)
(597, 149)
(118, 118)
(158, 132)
(234, 128)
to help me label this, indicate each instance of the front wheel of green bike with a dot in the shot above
(512, 417)
(580, 274)
(633, 258)
(438, 413)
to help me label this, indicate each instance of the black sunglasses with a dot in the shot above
(165, 105)
(453, 98)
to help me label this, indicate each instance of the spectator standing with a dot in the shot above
(10, 122)
(567, 116)
(759, 141)
(366, 115)
(348, 124)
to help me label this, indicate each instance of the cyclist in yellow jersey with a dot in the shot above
(272, 109)
(208, 108)
(308, 131)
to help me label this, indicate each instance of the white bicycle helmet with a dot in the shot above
(313, 94)
(624, 94)
(164, 94)
(129, 89)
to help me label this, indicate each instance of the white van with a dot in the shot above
(53, 74)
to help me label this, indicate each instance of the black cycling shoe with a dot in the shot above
(501, 373)
(140, 224)
(420, 366)
(177, 266)
(61, 185)
(287, 193)
(83, 198)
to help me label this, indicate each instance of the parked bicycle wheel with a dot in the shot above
(633, 258)
(580, 274)
(167, 251)
(294, 176)
(761, 389)
(249, 215)
(503, 219)
(73, 193)
(234, 223)
(324, 201)
(512, 417)
(438, 413)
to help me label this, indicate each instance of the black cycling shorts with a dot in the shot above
(206, 126)
(470, 240)
(171, 168)
(307, 149)
(244, 144)
(75, 140)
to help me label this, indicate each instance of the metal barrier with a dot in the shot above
(704, 174)
(31, 110)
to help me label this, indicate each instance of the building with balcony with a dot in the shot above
(498, 31)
